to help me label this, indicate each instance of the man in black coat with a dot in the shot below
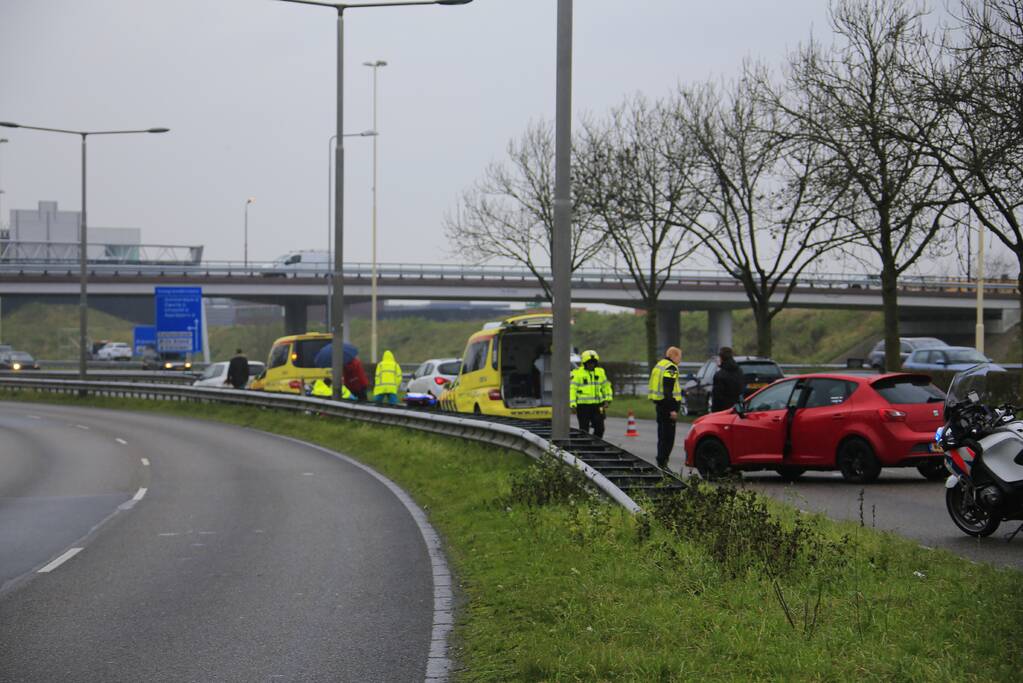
(728, 382)
(238, 370)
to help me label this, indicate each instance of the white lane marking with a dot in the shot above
(82, 427)
(307, 474)
(129, 504)
(145, 462)
(121, 441)
(34, 417)
(71, 552)
(170, 533)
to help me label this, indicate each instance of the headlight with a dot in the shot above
(166, 366)
(188, 366)
(16, 366)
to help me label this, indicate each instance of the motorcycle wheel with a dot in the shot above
(967, 515)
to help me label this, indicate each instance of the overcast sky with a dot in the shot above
(248, 89)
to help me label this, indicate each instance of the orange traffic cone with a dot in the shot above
(631, 430)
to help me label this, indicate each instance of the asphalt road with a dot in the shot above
(221, 554)
(901, 501)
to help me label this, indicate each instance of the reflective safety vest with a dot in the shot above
(388, 375)
(589, 388)
(664, 368)
(322, 389)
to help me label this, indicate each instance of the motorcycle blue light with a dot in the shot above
(938, 434)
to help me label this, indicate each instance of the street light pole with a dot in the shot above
(250, 200)
(979, 332)
(336, 280)
(373, 274)
(330, 195)
(561, 258)
(2, 141)
(83, 308)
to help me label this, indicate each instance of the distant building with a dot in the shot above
(47, 233)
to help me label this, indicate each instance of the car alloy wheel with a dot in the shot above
(711, 460)
(857, 462)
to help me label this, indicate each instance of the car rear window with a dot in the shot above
(305, 351)
(908, 390)
(451, 368)
(763, 371)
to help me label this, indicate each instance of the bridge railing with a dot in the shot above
(170, 260)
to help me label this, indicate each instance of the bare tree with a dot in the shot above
(509, 213)
(636, 174)
(767, 219)
(855, 100)
(976, 85)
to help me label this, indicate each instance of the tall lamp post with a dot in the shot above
(330, 205)
(250, 200)
(373, 273)
(83, 232)
(336, 281)
(2, 141)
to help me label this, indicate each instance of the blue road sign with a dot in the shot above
(145, 335)
(179, 319)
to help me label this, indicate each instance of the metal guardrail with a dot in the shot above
(145, 376)
(475, 429)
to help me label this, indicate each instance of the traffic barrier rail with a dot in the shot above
(471, 428)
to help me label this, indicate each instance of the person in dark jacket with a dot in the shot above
(728, 382)
(238, 370)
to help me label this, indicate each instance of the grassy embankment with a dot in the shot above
(712, 586)
(51, 332)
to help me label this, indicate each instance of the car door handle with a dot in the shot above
(838, 416)
(776, 418)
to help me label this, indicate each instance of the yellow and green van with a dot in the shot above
(506, 370)
(290, 366)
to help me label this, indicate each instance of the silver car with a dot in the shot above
(215, 374)
(431, 376)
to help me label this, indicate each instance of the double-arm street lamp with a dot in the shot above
(83, 353)
(337, 284)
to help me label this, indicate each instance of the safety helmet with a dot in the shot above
(588, 355)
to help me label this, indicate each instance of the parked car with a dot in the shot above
(215, 374)
(697, 388)
(431, 376)
(115, 351)
(853, 423)
(17, 360)
(907, 345)
(947, 358)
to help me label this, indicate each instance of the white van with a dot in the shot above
(306, 263)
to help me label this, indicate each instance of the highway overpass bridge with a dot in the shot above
(928, 305)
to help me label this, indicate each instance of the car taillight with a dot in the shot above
(295, 384)
(439, 381)
(494, 394)
(892, 415)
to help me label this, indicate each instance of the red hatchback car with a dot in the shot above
(856, 424)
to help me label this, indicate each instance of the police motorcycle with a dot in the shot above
(983, 447)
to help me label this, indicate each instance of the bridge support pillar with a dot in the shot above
(719, 330)
(669, 331)
(296, 317)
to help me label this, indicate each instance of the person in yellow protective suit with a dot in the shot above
(321, 389)
(590, 393)
(665, 392)
(387, 379)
